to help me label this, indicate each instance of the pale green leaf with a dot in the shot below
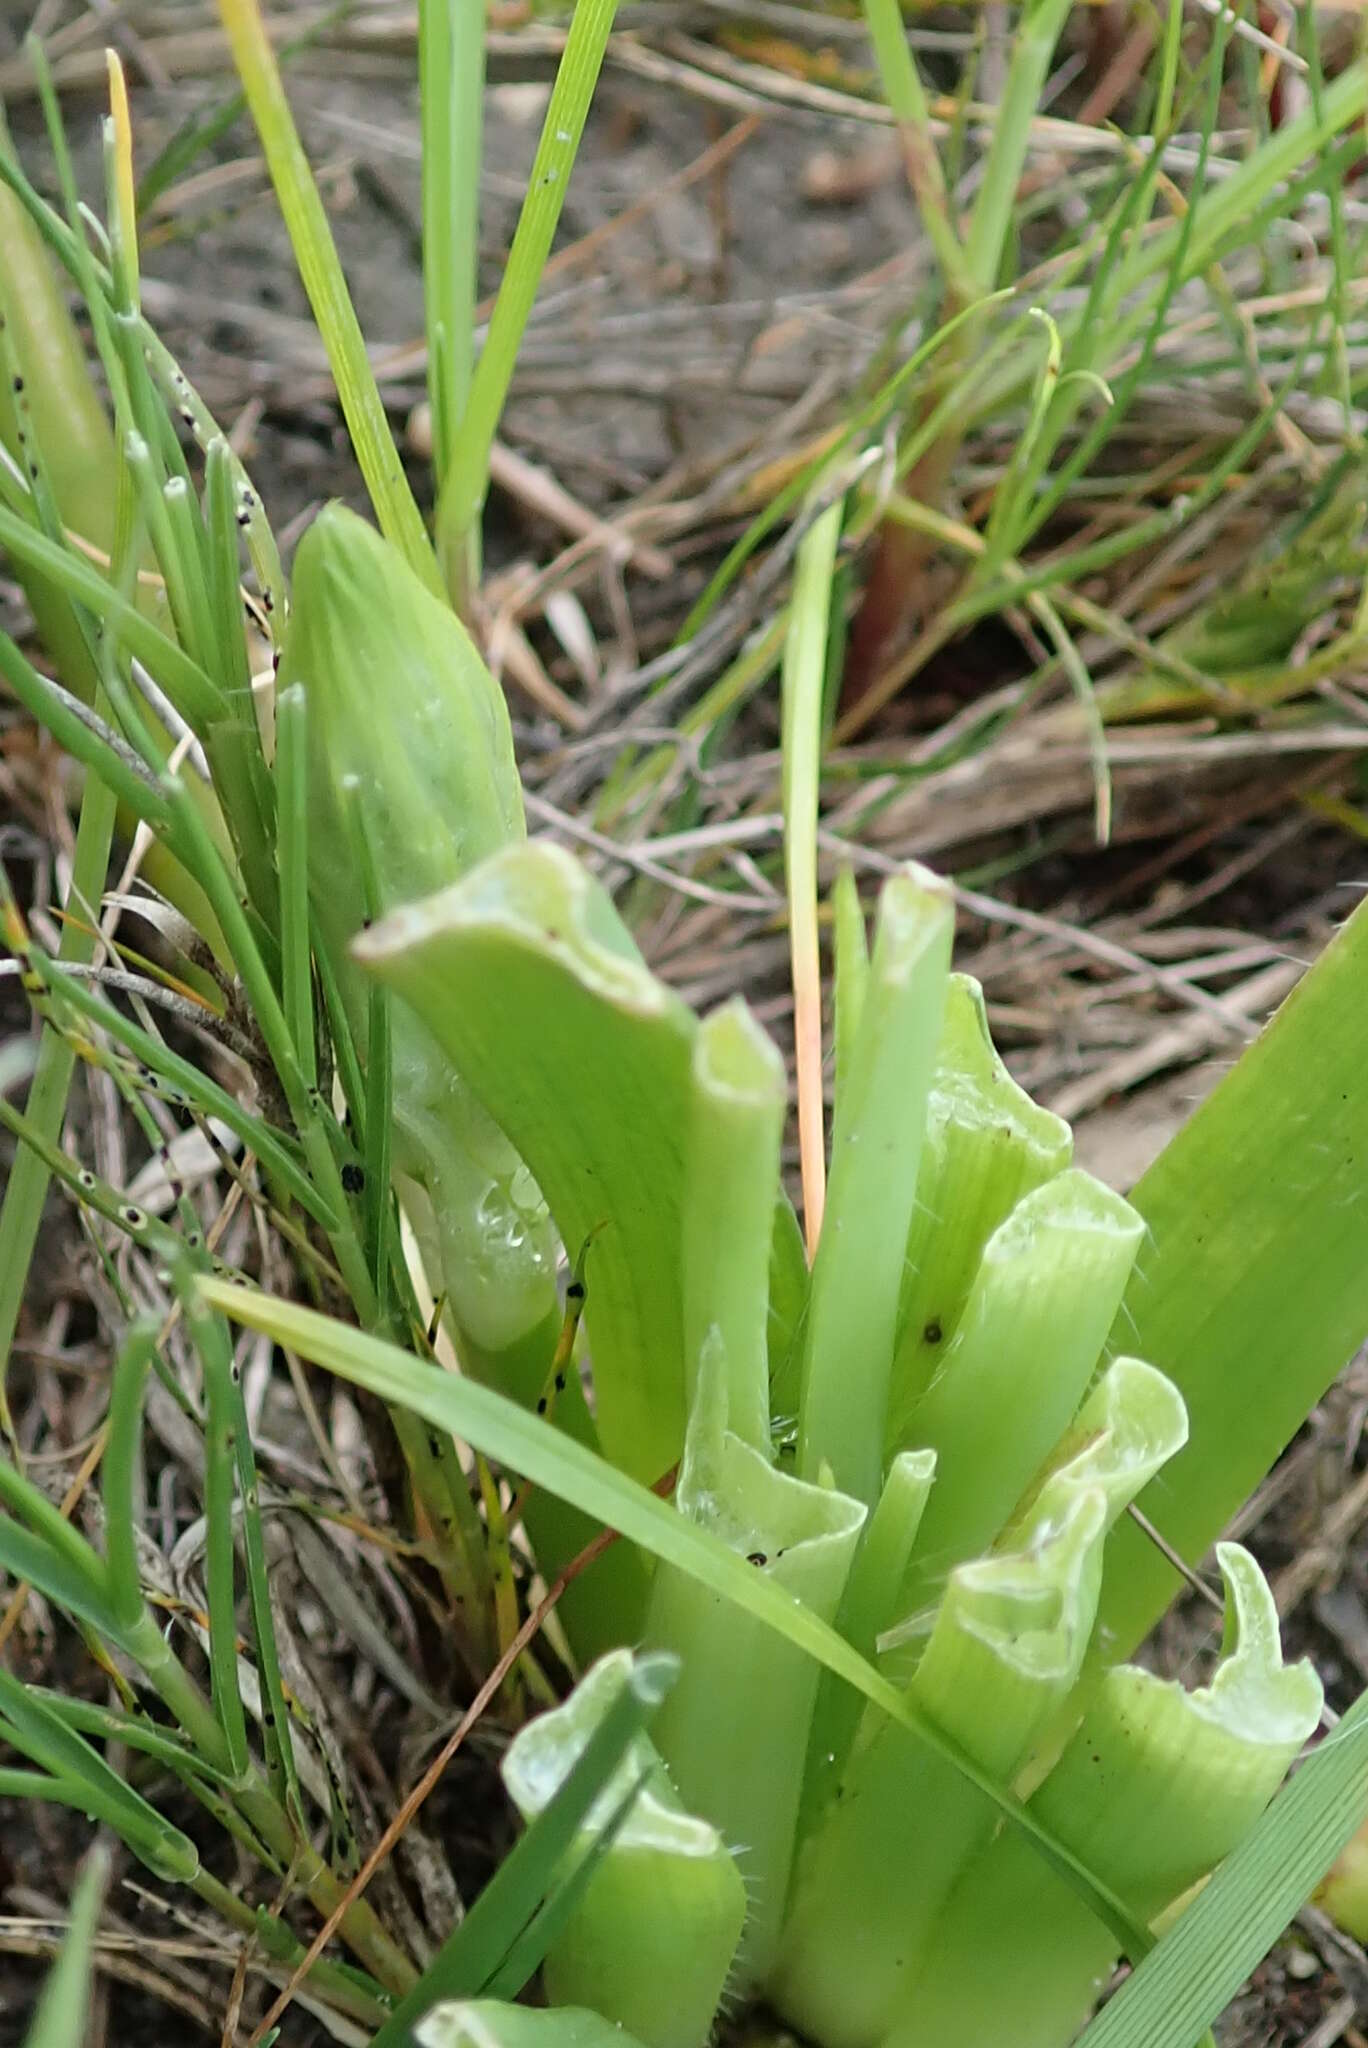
(486, 2023)
(529, 982)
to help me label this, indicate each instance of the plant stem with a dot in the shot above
(857, 1277)
(340, 1989)
(805, 661)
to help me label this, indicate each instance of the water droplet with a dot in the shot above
(502, 1225)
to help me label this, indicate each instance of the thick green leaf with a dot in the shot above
(408, 732)
(872, 1881)
(485, 2023)
(529, 982)
(736, 1123)
(1201, 1963)
(987, 1145)
(492, 1424)
(651, 1940)
(1155, 1789)
(803, 1539)
(1016, 1369)
(857, 1275)
(411, 781)
(875, 1874)
(538, 1941)
(867, 1607)
(1251, 1289)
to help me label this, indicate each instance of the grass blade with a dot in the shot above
(33, 1726)
(451, 71)
(45, 1108)
(184, 681)
(906, 96)
(459, 506)
(118, 1468)
(180, 1080)
(1033, 47)
(292, 813)
(231, 1498)
(59, 2019)
(321, 272)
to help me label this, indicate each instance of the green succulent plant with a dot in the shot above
(967, 1561)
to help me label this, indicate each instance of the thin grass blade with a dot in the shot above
(34, 1727)
(59, 2020)
(321, 271)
